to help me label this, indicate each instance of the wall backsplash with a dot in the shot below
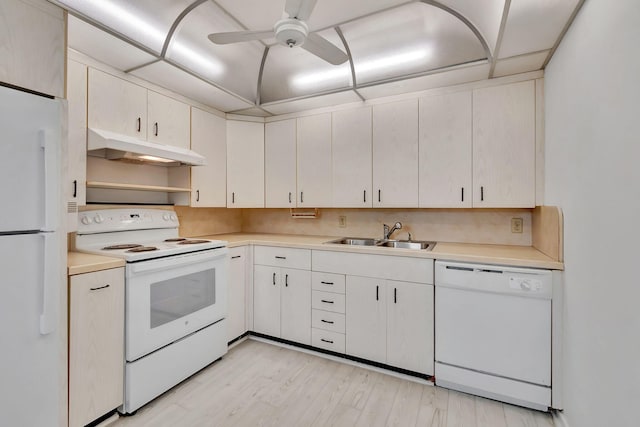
(491, 226)
(205, 221)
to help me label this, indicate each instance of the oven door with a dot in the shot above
(170, 298)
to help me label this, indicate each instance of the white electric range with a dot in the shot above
(175, 296)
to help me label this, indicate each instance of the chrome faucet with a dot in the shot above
(389, 231)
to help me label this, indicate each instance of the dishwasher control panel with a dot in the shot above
(525, 284)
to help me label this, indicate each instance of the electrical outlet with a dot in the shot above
(342, 221)
(516, 225)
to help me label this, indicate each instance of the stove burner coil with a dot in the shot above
(124, 246)
(143, 249)
(193, 242)
(175, 239)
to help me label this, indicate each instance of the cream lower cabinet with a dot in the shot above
(236, 317)
(282, 293)
(96, 344)
(366, 318)
(209, 138)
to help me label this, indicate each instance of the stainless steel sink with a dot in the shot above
(356, 241)
(402, 244)
(408, 244)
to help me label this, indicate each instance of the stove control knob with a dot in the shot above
(166, 217)
(98, 219)
(173, 218)
(85, 220)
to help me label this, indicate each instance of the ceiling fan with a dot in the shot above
(292, 31)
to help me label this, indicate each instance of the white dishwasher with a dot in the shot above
(493, 332)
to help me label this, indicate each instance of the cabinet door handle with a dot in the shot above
(364, 198)
(327, 321)
(395, 295)
(155, 127)
(100, 287)
(75, 188)
(482, 194)
(235, 256)
(302, 197)
(323, 340)
(138, 127)
(233, 197)
(462, 194)
(327, 283)
(281, 257)
(379, 195)
(274, 279)
(377, 293)
(326, 301)
(289, 196)
(197, 195)
(286, 280)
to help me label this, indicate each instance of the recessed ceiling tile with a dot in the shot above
(254, 15)
(485, 15)
(104, 47)
(312, 103)
(520, 64)
(448, 78)
(170, 77)
(534, 25)
(144, 21)
(329, 13)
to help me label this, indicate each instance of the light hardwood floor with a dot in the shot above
(258, 384)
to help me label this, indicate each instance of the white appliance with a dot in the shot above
(32, 254)
(175, 296)
(493, 332)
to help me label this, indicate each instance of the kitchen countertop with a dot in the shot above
(521, 256)
(79, 263)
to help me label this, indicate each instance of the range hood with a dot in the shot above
(114, 146)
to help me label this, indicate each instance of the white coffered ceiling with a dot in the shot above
(394, 46)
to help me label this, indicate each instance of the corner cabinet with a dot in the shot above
(245, 164)
(395, 154)
(504, 144)
(96, 344)
(280, 164)
(209, 138)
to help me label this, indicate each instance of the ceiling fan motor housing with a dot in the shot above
(291, 32)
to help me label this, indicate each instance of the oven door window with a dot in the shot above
(178, 297)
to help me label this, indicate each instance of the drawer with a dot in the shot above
(327, 282)
(327, 301)
(282, 257)
(327, 320)
(327, 340)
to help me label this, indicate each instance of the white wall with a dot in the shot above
(592, 115)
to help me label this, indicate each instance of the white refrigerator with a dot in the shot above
(32, 258)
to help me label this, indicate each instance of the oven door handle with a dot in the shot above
(178, 261)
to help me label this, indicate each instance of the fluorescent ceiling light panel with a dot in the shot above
(200, 61)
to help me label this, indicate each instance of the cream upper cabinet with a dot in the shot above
(280, 164)
(314, 161)
(168, 121)
(33, 43)
(446, 151)
(351, 158)
(395, 154)
(76, 170)
(116, 105)
(209, 138)
(504, 121)
(245, 164)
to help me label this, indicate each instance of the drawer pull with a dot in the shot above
(235, 256)
(328, 341)
(100, 287)
(326, 301)
(327, 283)
(327, 321)
(281, 257)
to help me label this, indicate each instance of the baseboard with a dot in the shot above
(559, 418)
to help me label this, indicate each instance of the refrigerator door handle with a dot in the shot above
(50, 288)
(49, 145)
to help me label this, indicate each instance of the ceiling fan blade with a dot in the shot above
(240, 36)
(322, 48)
(300, 9)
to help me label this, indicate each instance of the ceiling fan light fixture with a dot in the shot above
(291, 32)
